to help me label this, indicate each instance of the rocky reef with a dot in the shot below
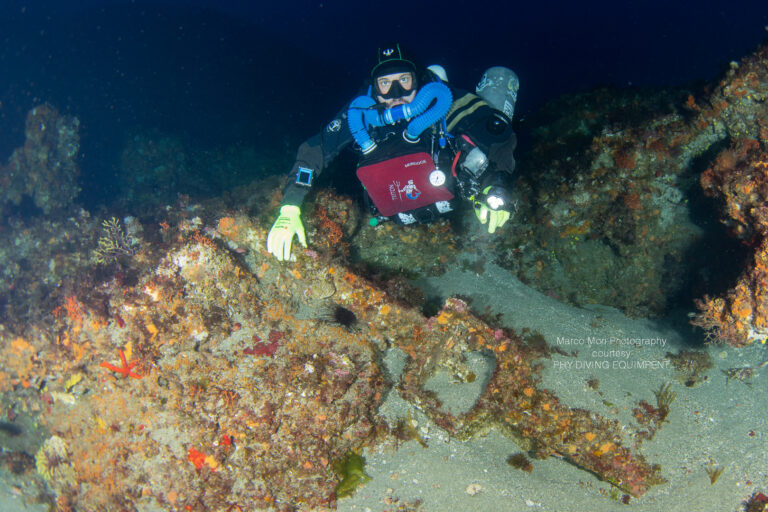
(169, 361)
(156, 166)
(193, 372)
(607, 191)
(45, 169)
(738, 180)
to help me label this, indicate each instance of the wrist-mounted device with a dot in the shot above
(304, 177)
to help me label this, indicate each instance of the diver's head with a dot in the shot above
(395, 89)
(394, 77)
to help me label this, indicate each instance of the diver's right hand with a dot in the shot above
(281, 235)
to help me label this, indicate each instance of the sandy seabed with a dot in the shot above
(716, 423)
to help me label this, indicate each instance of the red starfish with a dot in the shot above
(125, 371)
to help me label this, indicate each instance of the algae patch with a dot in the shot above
(350, 471)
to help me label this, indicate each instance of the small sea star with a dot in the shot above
(125, 371)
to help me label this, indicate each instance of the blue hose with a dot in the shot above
(360, 114)
(358, 117)
(433, 91)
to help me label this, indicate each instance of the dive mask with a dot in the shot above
(395, 89)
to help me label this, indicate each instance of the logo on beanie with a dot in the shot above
(388, 52)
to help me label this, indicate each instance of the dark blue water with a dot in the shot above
(272, 73)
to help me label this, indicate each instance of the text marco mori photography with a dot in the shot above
(614, 353)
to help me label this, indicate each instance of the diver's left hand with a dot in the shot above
(494, 218)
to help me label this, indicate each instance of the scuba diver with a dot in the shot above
(422, 146)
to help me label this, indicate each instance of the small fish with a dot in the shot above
(742, 374)
(10, 429)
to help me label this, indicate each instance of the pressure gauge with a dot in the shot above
(437, 178)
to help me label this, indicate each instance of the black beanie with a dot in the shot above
(390, 59)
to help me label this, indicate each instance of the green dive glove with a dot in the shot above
(490, 208)
(281, 235)
(494, 218)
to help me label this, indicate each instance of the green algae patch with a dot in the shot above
(351, 471)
